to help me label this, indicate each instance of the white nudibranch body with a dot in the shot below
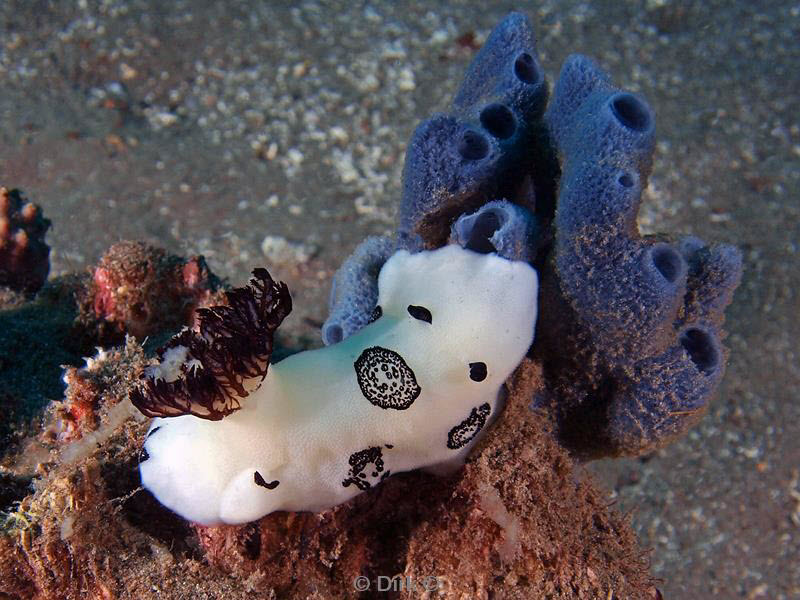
(413, 389)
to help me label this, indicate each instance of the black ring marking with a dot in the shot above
(385, 379)
(477, 371)
(359, 461)
(420, 312)
(463, 433)
(152, 431)
(270, 485)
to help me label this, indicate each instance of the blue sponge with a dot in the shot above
(354, 291)
(481, 150)
(629, 332)
(663, 395)
(614, 280)
(507, 229)
(458, 162)
(645, 314)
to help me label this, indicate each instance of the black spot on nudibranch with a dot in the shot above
(463, 433)
(385, 379)
(143, 455)
(359, 461)
(270, 485)
(477, 371)
(152, 431)
(377, 313)
(420, 312)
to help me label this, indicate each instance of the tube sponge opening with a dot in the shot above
(526, 69)
(507, 229)
(667, 262)
(473, 146)
(631, 111)
(498, 120)
(485, 226)
(626, 179)
(332, 333)
(700, 346)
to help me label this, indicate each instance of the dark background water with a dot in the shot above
(205, 127)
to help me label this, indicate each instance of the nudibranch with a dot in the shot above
(237, 438)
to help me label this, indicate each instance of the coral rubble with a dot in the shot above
(135, 289)
(37, 339)
(528, 526)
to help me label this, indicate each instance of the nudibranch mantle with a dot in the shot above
(413, 389)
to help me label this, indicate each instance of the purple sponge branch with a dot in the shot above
(482, 150)
(643, 341)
